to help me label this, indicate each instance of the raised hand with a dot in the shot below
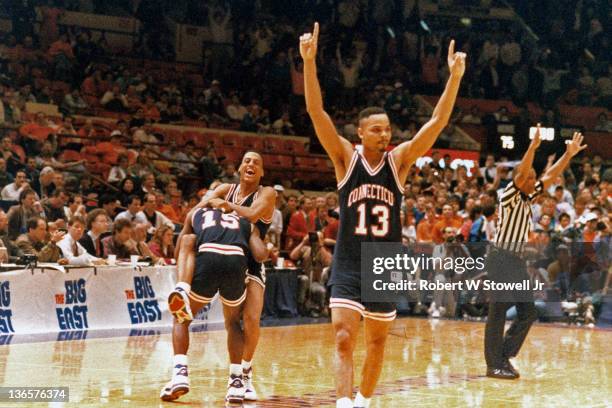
(576, 146)
(308, 43)
(456, 60)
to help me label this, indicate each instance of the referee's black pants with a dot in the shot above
(506, 267)
(500, 346)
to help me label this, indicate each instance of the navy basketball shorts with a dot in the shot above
(219, 272)
(346, 293)
(256, 272)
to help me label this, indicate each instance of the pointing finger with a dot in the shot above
(451, 48)
(315, 32)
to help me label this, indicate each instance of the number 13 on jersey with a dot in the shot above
(380, 226)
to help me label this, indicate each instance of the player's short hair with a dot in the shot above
(369, 111)
(252, 151)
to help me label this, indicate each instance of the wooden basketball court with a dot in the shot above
(428, 364)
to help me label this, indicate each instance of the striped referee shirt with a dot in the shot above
(515, 217)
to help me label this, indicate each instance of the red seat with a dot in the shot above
(196, 137)
(305, 162)
(214, 138)
(295, 146)
(286, 161)
(231, 155)
(322, 164)
(172, 134)
(253, 143)
(70, 155)
(274, 145)
(231, 140)
(278, 162)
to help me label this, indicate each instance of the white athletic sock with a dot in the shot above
(183, 285)
(179, 359)
(246, 365)
(235, 369)
(361, 401)
(344, 403)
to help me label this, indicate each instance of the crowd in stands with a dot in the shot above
(88, 188)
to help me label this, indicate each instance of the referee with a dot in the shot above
(504, 262)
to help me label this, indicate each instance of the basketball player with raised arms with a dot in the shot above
(256, 203)
(370, 189)
(223, 241)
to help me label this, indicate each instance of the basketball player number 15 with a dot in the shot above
(379, 228)
(230, 221)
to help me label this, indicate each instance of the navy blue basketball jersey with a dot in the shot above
(232, 196)
(213, 226)
(370, 202)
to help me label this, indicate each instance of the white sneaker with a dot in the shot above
(177, 386)
(178, 305)
(249, 391)
(235, 390)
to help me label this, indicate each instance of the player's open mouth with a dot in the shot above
(249, 172)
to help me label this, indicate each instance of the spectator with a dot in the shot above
(235, 110)
(166, 209)
(73, 103)
(283, 126)
(62, 58)
(312, 256)
(139, 245)
(87, 131)
(72, 250)
(473, 117)
(18, 215)
(10, 112)
(149, 215)
(350, 74)
(34, 242)
(120, 171)
(489, 171)
(300, 223)
(133, 208)
(149, 109)
(108, 202)
(603, 124)
(12, 191)
(118, 243)
(39, 130)
(230, 175)
(98, 224)
(426, 227)
(162, 244)
(12, 249)
(75, 207)
(430, 61)
(490, 80)
(115, 101)
(54, 206)
(7, 152)
(127, 188)
(276, 227)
